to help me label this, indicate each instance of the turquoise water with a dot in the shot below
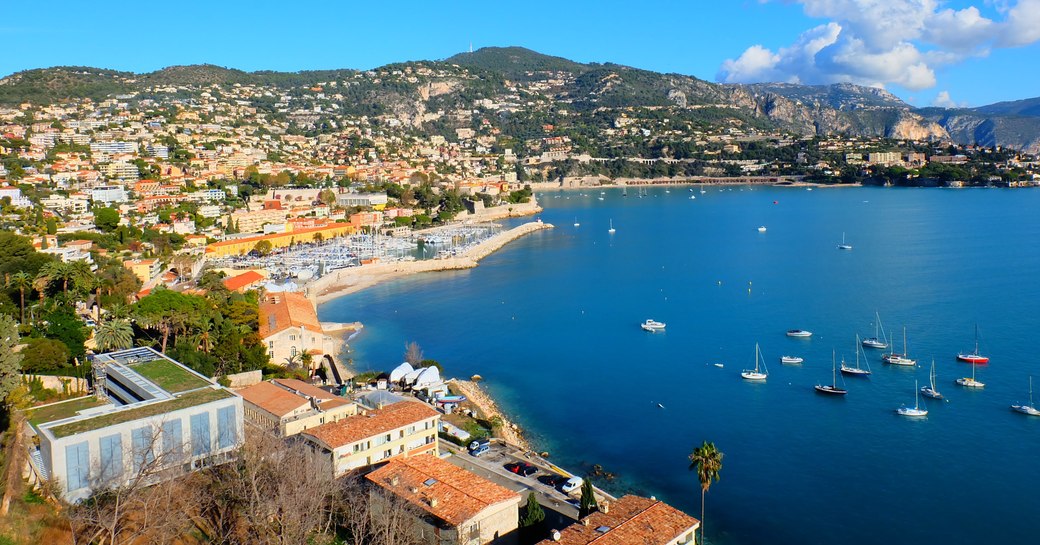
(551, 322)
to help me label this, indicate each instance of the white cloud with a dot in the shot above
(881, 42)
(943, 100)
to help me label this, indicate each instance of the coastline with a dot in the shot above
(354, 279)
(511, 433)
(589, 183)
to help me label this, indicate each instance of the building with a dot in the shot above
(242, 246)
(244, 282)
(145, 269)
(884, 158)
(459, 507)
(403, 429)
(375, 200)
(289, 327)
(149, 415)
(288, 406)
(15, 194)
(108, 194)
(630, 519)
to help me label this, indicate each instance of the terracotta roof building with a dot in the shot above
(631, 520)
(403, 429)
(244, 282)
(289, 327)
(460, 507)
(288, 407)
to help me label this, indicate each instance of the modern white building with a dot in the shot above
(17, 199)
(149, 417)
(108, 194)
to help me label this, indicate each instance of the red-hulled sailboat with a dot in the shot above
(974, 357)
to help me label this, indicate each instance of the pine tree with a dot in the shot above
(588, 503)
(10, 361)
(533, 514)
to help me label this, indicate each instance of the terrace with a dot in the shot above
(131, 413)
(169, 376)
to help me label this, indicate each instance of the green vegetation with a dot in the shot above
(61, 410)
(706, 460)
(168, 375)
(190, 399)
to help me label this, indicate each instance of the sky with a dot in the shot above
(927, 52)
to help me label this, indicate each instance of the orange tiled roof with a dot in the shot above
(271, 398)
(631, 519)
(283, 310)
(355, 428)
(243, 280)
(453, 494)
(304, 388)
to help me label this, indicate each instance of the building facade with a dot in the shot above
(288, 406)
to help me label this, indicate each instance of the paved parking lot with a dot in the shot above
(490, 466)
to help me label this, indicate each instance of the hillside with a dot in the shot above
(587, 89)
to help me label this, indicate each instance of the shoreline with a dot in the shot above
(511, 433)
(622, 183)
(354, 279)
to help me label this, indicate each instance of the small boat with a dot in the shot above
(857, 370)
(652, 326)
(576, 224)
(791, 359)
(611, 230)
(762, 229)
(974, 357)
(917, 410)
(719, 365)
(844, 246)
(799, 333)
(930, 391)
(832, 388)
(970, 382)
(756, 373)
(1027, 409)
(899, 359)
(879, 340)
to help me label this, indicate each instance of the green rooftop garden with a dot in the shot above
(190, 399)
(169, 376)
(64, 409)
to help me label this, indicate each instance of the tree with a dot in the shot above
(114, 335)
(263, 247)
(170, 313)
(706, 460)
(44, 355)
(413, 353)
(533, 514)
(587, 505)
(21, 281)
(328, 197)
(64, 326)
(106, 219)
(10, 361)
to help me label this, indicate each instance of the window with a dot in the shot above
(141, 442)
(388, 453)
(227, 432)
(201, 441)
(292, 337)
(77, 465)
(111, 453)
(173, 439)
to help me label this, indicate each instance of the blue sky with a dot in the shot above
(925, 51)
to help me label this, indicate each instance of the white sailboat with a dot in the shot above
(576, 224)
(844, 246)
(857, 370)
(832, 388)
(917, 410)
(611, 230)
(1027, 409)
(756, 373)
(930, 391)
(899, 359)
(970, 382)
(879, 340)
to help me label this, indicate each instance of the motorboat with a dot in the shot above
(652, 325)
(791, 359)
(799, 333)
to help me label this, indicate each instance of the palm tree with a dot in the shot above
(114, 335)
(57, 271)
(706, 460)
(21, 281)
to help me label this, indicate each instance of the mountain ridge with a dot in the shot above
(587, 88)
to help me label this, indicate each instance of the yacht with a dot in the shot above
(762, 229)
(899, 359)
(832, 388)
(791, 359)
(799, 333)
(974, 357)
(858, 371)
(879, 340)
(844, 246)
(970, 382)
(652, 325)
(930, 391)
(1027, 409)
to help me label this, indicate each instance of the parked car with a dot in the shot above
(523, 469)
(552, 480)
(480, 448)
(571, 485)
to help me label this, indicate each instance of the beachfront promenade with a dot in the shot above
(352, 279)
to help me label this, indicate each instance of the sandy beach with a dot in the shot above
(510, 432)
(354, 279)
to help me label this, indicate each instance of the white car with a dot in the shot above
(571, 485)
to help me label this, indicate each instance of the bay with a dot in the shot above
(551, 322)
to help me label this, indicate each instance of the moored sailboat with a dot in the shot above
(756, 373)
(930, 391)
(1027, 409)
(974, 357)
(970, 382)
(879, 340)
(917, 410)
(857, 370)
(899, 359)
(832, 388)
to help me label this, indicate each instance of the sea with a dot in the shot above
(551, 323)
